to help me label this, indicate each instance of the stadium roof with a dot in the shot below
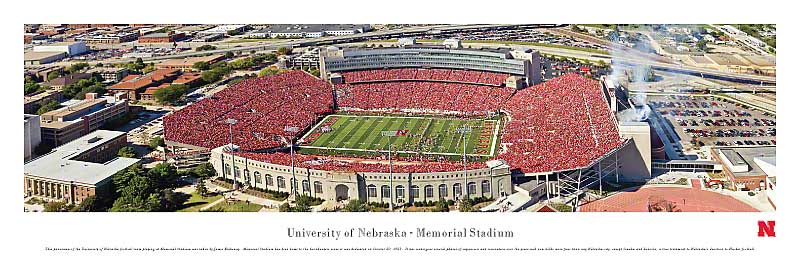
(59, 163)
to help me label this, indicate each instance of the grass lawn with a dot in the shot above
(363, 135)
(196, 202)
(562, 207)
(237, 206)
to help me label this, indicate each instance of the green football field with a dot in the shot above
(427, 135)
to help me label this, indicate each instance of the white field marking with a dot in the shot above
(395, 151)
(494, 137)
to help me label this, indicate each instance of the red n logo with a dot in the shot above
(766, 228)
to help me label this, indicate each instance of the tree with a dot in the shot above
(126, 152)
(49, 106)
(229, 54)
(285, 207)
(31, 87)
(303, 204)
(163, 176)
(465, 206)
(56, 207)
(77, 67)
(212, 76)
(170, 94)
(201, 65)
(205, 47)
(201, 188)
(53, 75)
(284, 50)
(268, 71)
(702, 45)
(355, 206)
(203, 171)
(442, 206)
(149, 68)
(156, 142)
(234, 32)
(87, 205)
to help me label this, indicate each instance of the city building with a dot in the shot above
(167, 37)
(134, 85)
(96, 38)
(73, 121)
(110, 75)
(33, 102)
(310, 30)
(187, 64)
(224, 29)
(748, 168)
(207, 37)
(77, 170)
(40, 72)
(39, 58)
(190, 79)
(33, 135)
(59, 82)
(71, 48)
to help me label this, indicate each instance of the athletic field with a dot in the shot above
(425, 135)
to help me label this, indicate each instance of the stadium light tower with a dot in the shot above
(232, 122)
(291, 129)
(464, 130)
(391, 173)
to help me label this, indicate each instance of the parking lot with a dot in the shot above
(715, 121)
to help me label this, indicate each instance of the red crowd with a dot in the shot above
(561, 124)
(348, 164)
(465, 99)
(262, 107)
(489, 78)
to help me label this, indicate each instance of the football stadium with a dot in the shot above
(416, 123)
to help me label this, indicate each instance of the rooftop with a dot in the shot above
(190, 60)
(747, 155)
(59, 163)
(725, 59)
(42, 55)
(309, 28)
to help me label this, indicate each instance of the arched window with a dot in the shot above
(414, 191)
(318, 187)
(268, 179)
(236, 172)
(257, 177)
(246, 175)
(485, 186)
(471, 188)
(457, 190)
(428, 191)
(227, 169)
(306, 186)
(442, 190)
(372, 191)
(281, 182)
(385, 191)
(400, 191)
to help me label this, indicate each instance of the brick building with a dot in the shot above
(77, 170)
